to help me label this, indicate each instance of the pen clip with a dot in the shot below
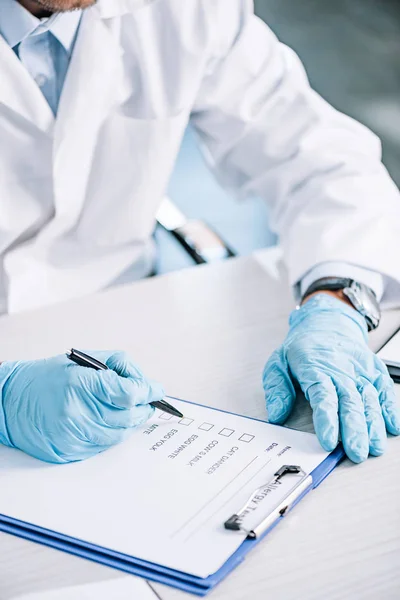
(235, 522)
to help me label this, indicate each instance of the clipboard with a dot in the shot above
(162, 574)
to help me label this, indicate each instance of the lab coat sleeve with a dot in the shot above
(374, 280)
(266, 132)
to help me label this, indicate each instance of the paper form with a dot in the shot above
(164, 494)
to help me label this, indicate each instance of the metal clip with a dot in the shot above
(234, 523)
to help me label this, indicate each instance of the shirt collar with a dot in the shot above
(17, 23)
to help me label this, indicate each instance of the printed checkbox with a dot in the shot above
(206, 426)
(186, 421)
(165, 416)
(246, 437)
(226, 432)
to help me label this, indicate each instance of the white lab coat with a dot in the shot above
(79, 194)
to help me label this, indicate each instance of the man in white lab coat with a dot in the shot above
(93, 106)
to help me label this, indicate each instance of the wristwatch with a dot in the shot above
(360, 296)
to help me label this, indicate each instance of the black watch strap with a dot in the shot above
(327, 283)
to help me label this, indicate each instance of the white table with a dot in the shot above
(206, 333)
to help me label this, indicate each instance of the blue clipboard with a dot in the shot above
(151, 571)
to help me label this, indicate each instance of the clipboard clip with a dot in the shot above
(234, 523)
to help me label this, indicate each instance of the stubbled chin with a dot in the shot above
(65, 5)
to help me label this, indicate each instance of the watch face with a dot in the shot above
(370, 303)
(365, 302)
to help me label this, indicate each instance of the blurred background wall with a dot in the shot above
(351, 51)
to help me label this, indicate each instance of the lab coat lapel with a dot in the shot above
(20, 93)
(92, 88)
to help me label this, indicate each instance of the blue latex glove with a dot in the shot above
(348, 387)
(59, 412)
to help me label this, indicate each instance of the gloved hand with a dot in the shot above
(59, 412)
(348, 387)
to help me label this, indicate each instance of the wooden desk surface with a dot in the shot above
(206, 334)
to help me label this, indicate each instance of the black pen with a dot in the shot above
(84, 360)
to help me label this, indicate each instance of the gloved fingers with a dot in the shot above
(115, 418)
(121, 392)
(99, 430)
(94, 444)
(279, 391)
(374, 419)
(122, 364)
(118, 361)
(387, 398)
(324, 403)
(78, 452)
(390, 410)
(353, 426)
